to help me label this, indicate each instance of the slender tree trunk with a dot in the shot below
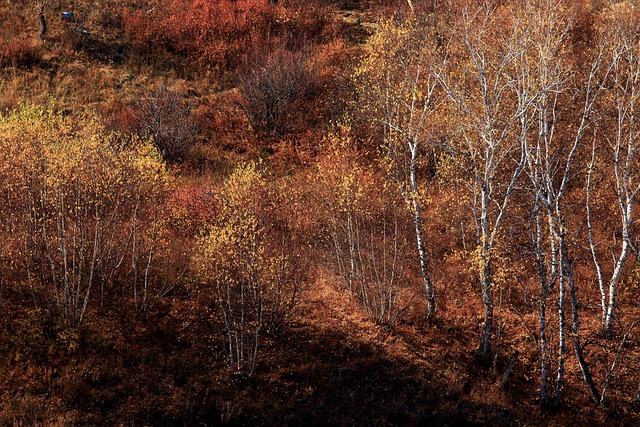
(592, 244)
(422, 253)
(487, 301)
(43, 23)
(544, 295)
(417, 221)
(575, 329)
(410, 3)
(484, 268)
(352, 251)
(543, 344)
(567, 275)
(613, 282)
(561, 342)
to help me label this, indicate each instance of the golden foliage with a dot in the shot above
(74, 197)
(250, 275)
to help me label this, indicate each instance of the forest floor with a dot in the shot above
(330, 366)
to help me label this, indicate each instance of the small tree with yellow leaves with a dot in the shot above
(249, 273)
(398, 95)
(80, 208)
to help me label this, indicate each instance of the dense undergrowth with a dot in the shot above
(211, 211)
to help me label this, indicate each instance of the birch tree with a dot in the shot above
(250, 275)
(480, 77)
(398, 93)
(81, 208)
(548, 30)
(551, 158)
(621, 26)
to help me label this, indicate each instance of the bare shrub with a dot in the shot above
(368, 232)
(273, 87)
(165, 116)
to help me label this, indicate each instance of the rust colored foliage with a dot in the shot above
(213, 32)
(19, 52)
(191, 208)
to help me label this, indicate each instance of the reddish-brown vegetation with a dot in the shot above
(208, 212)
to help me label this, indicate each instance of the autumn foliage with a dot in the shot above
(245, 264)
(259, 212)
(79, 202)
(214, 32)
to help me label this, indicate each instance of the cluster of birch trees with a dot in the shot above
(534, 111)
(81, 227)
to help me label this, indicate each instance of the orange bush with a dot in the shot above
(220, 32)
(191, 208)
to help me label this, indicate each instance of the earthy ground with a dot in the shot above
(330, 366)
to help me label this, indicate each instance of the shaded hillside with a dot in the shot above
(239, 212)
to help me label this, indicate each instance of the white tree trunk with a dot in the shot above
(417, 221)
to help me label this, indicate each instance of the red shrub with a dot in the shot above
(19, 52)
(214, 32)
(191, 208)
(220, 32)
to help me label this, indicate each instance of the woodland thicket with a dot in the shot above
(319, 212)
